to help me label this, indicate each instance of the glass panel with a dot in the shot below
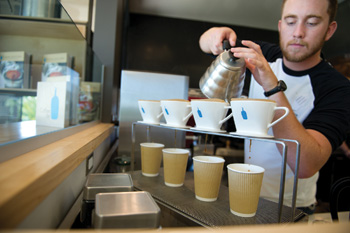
(41, 48)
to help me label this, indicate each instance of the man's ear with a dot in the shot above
(331, 29)
(279, 25)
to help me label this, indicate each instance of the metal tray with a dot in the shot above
(126, 210)
(106, 182)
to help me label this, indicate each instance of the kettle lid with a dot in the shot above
(227, 58)
(229, 61)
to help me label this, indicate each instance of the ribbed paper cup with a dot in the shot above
(207, 177)
(244, 188)
(174, 163)
(151, 157)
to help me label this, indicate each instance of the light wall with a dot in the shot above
(248, 13)
(263, 14)
(77, 9)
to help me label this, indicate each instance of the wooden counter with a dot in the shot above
(275, 228)
(25, 181)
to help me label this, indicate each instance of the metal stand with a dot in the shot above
(274, 140)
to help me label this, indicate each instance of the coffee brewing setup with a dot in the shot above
(223, 79)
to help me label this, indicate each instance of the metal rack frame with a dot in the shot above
(274, 140)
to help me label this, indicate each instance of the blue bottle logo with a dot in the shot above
(199, 113)
(166, 111)
(244, 114)
(54, 106)
(143, 110)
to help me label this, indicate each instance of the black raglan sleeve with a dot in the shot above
(331, 113)
(270, 51)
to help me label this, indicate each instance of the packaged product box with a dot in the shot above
(56, 64)
(89, 101)
(53, 104)
(73, 88)
(15, 69)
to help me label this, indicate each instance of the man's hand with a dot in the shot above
(257, 64)
(211, 40)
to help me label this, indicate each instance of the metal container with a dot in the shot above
(224, 78)
(126, 210)
(102, 183)
(41, 8)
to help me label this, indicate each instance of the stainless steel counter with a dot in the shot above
(182, 201)
(279, 141)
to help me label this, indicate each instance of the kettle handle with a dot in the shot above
(226, 46)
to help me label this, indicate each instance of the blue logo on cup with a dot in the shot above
(143, 110)
(199, 113)
(166, 110)
(244, 114)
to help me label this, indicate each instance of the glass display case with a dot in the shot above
(44, 56)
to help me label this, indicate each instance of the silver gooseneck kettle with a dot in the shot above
(224, 78)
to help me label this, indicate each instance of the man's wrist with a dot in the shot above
(281, 86)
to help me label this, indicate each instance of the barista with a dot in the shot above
(317, 95)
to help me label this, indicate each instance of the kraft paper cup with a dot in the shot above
(174, 163)
(207, 177)
(244, 188)
(151, 157)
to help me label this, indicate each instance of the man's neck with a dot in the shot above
(304, 65)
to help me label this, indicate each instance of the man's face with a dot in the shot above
(303, 29)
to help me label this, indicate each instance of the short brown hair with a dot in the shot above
(332, 9)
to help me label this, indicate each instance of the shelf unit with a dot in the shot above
(40, 36)
(37, 36)
(280, 141)
(18, 91)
